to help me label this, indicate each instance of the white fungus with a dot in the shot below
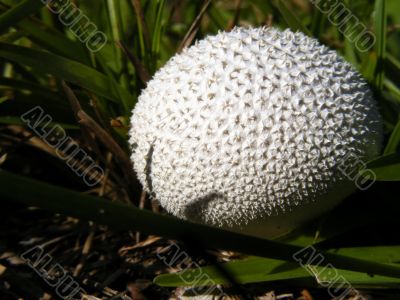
(246, 130)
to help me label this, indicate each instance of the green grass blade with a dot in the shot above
(12, 120)
(368, 66)
(115, 21)
(22, 85)
(386, 167)
(317, 22)
(63, 68)
(247, 273)
(380, 32)
(125, 217)
(349, 50)
(15, 14)
(115, 27)
(392, 89)
(250, 270)
(158, 27)
(54, 41)
(126, 99)
(257, 269)
(291, 19)
(393, 64)
(143, 31)
(394, 140)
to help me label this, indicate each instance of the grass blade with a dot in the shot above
(158, 27)
(386, 167)
(15, 14)
(21, 85)
(53, 41)
(256, 269)
(394, 140)
(191, 33)
(291, 19)
(125, 217)
(63, 68)
(143, 31)
(317, 22)
(380, 31)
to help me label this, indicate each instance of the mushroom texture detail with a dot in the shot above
(246, 130)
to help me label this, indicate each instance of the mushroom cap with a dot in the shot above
(246, 130)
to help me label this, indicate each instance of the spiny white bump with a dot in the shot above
(247, 129)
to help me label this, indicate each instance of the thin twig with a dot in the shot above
(140, 69)
(189, 37)
(141, 206)
(140, 16)
(236, 17)
(106, 139)
(76, 106)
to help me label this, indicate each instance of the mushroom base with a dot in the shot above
(276, 226)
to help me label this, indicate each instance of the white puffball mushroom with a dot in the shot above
(246, 130)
